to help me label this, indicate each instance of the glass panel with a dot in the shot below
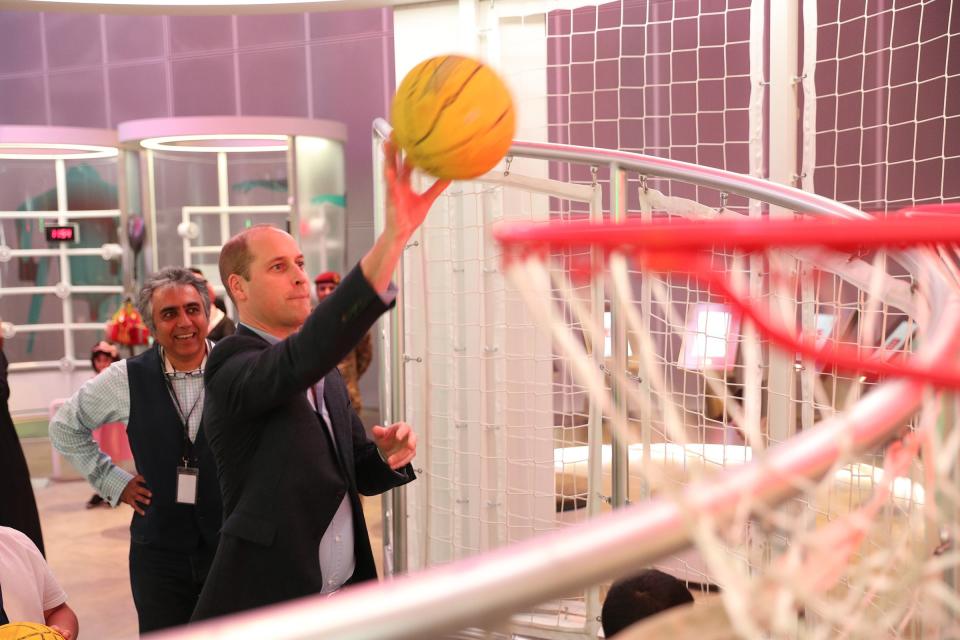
(321, 195)
(257, 178)
(27, 185)
(32, 309)
(41, 271)
(25, 234)
(209, 231)
(182, 179)
(29, 346)
(83, 341)
(94, 307)
(96, 232)
(94, 270)
(92, 184)
(241, 221)
(134, 203)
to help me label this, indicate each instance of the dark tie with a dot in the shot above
(326, 429)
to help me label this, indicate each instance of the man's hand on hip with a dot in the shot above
(397, 443)
(136, 494)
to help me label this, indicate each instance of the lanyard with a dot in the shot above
(187, 451)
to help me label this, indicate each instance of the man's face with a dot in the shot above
(278, 292)
(324, 289)
(180, 321)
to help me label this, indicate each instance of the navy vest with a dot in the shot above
(156, 439)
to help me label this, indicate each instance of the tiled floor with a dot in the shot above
(87, 549)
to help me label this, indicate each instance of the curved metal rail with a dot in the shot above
(489, 587)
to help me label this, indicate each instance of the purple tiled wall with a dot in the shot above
(661, 77)
(76, 69)
(888, 116)
(671, 78)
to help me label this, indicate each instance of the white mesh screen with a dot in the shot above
(508, 450)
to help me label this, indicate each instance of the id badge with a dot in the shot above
(187, 485)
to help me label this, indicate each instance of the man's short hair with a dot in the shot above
(235, 256)
(640, 596)
(164, 278)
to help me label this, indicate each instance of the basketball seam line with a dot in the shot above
(470, 138)
(446, 103)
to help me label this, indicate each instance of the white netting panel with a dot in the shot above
(885, 84)
(511, 450)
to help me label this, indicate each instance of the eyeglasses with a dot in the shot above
(183, 375)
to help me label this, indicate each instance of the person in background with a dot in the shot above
(220, 325)
(356, 363)
(29, 592)
(111, 437)
(641, 596)
(18, 506)
(159, 394)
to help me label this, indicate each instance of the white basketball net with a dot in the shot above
(866, 549)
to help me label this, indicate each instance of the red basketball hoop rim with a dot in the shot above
(918, 226)
(680, 246)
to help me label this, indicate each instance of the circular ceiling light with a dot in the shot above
(53, 151)
(218, 143)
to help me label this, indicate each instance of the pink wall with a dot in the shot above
(75, 69)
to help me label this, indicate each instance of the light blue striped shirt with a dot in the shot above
(105, 399)
(337, 561)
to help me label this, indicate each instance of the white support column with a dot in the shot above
(618, 332)
(223, 196)
(60, 170)
(150, 201)
(293, 195)
(784, 28)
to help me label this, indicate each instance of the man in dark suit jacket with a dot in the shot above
(292, 455)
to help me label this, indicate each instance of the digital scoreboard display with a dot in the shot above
(61, 233)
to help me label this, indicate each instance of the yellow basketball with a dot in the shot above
(453, 116)
(28, 631)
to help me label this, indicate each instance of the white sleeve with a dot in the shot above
(36, 584)
(53, 593)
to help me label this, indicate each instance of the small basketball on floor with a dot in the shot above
(454, 117)
(28, 631)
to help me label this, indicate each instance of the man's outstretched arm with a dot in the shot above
(406, 210)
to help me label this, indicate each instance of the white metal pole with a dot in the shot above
(65, 279)
(223, 196)
(151, 202)
(782, 154)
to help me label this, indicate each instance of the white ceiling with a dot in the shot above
(201, 7)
